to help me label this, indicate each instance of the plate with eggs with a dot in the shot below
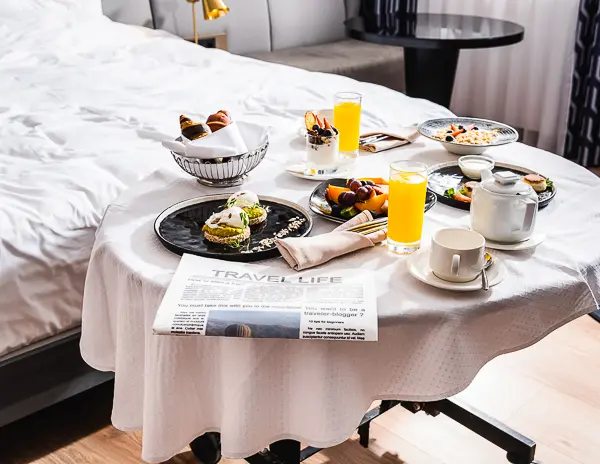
(453, 185)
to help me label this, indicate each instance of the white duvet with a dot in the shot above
(84, 103)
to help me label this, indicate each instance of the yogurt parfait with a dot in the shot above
(322, 146)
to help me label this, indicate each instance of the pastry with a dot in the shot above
(536, 181)
(469, 187)
(227, 227)
(193, 130)
(218, 120)
(249, 202)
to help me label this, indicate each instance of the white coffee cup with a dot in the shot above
(457, 255)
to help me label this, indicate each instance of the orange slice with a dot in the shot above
(319, 121)
(310, 120)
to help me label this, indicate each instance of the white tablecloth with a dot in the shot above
(431, 342)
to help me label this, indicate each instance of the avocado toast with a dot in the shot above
(249, 202)
(227, 227)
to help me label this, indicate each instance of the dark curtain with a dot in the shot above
(583, 131)
(382, 7)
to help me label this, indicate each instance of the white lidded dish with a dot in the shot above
(472, 166)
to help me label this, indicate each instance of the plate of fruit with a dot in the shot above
(340, 199)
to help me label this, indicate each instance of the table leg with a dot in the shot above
(207, 447)
(430, 73)
(363, 433)
(288, 451)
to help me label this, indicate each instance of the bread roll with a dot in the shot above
(218, 120)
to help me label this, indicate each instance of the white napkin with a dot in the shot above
(225, 142)
(396, 137)
(305, 252)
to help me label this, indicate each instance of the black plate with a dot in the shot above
(319, 203)
(448, 175)
(179, 228)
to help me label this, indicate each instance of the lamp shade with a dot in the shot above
(214, 9)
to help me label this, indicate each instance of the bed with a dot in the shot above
(84, 105)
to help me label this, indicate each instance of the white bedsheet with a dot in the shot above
(84, 103)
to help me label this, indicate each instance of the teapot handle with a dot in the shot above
(530, 208)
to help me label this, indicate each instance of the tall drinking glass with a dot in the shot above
(346, 118)
(406, 206)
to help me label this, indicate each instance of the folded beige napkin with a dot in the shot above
(395, 138)
(305, 252)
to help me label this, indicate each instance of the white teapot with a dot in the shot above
(503, 208)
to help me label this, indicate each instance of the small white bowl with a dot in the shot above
(471, 166)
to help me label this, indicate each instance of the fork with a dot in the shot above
(373, 139)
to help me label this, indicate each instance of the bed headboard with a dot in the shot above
(252, 26)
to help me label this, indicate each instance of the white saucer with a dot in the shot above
(297, 170)
(418, 266)
(532, 242)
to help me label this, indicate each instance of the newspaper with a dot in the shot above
(217, 298)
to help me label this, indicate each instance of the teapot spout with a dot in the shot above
(486, 174)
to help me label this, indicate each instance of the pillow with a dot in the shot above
(297, 23)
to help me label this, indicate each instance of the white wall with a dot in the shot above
(128, 11)
(252, 26)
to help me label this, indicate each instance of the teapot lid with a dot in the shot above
(505, 182)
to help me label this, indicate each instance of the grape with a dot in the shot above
(355, 185)
(349, 181)
(370, 182)
(347, 198)
(363, 182)
(364, 193)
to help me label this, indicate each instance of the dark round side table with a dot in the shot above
(432, 43)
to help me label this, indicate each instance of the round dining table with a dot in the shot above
(432, 342)
(432, 43)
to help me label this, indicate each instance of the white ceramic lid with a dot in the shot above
(506, 183)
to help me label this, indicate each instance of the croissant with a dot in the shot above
(193, 130)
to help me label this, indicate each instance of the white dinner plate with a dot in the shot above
(418, 266)
(297, 170)
(532, 242)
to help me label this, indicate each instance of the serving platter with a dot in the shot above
(179, 228)
(448, 175)
(319, 203)
(504, 134)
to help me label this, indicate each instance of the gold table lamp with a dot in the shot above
(213, 9)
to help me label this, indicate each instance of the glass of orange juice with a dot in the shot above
(346, 118)
(406, 206)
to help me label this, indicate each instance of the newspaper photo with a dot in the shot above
(217, 298)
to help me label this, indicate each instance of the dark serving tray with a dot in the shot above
(318, 201)
(445, 176)
(179, 228)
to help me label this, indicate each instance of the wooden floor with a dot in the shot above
(549, 392)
